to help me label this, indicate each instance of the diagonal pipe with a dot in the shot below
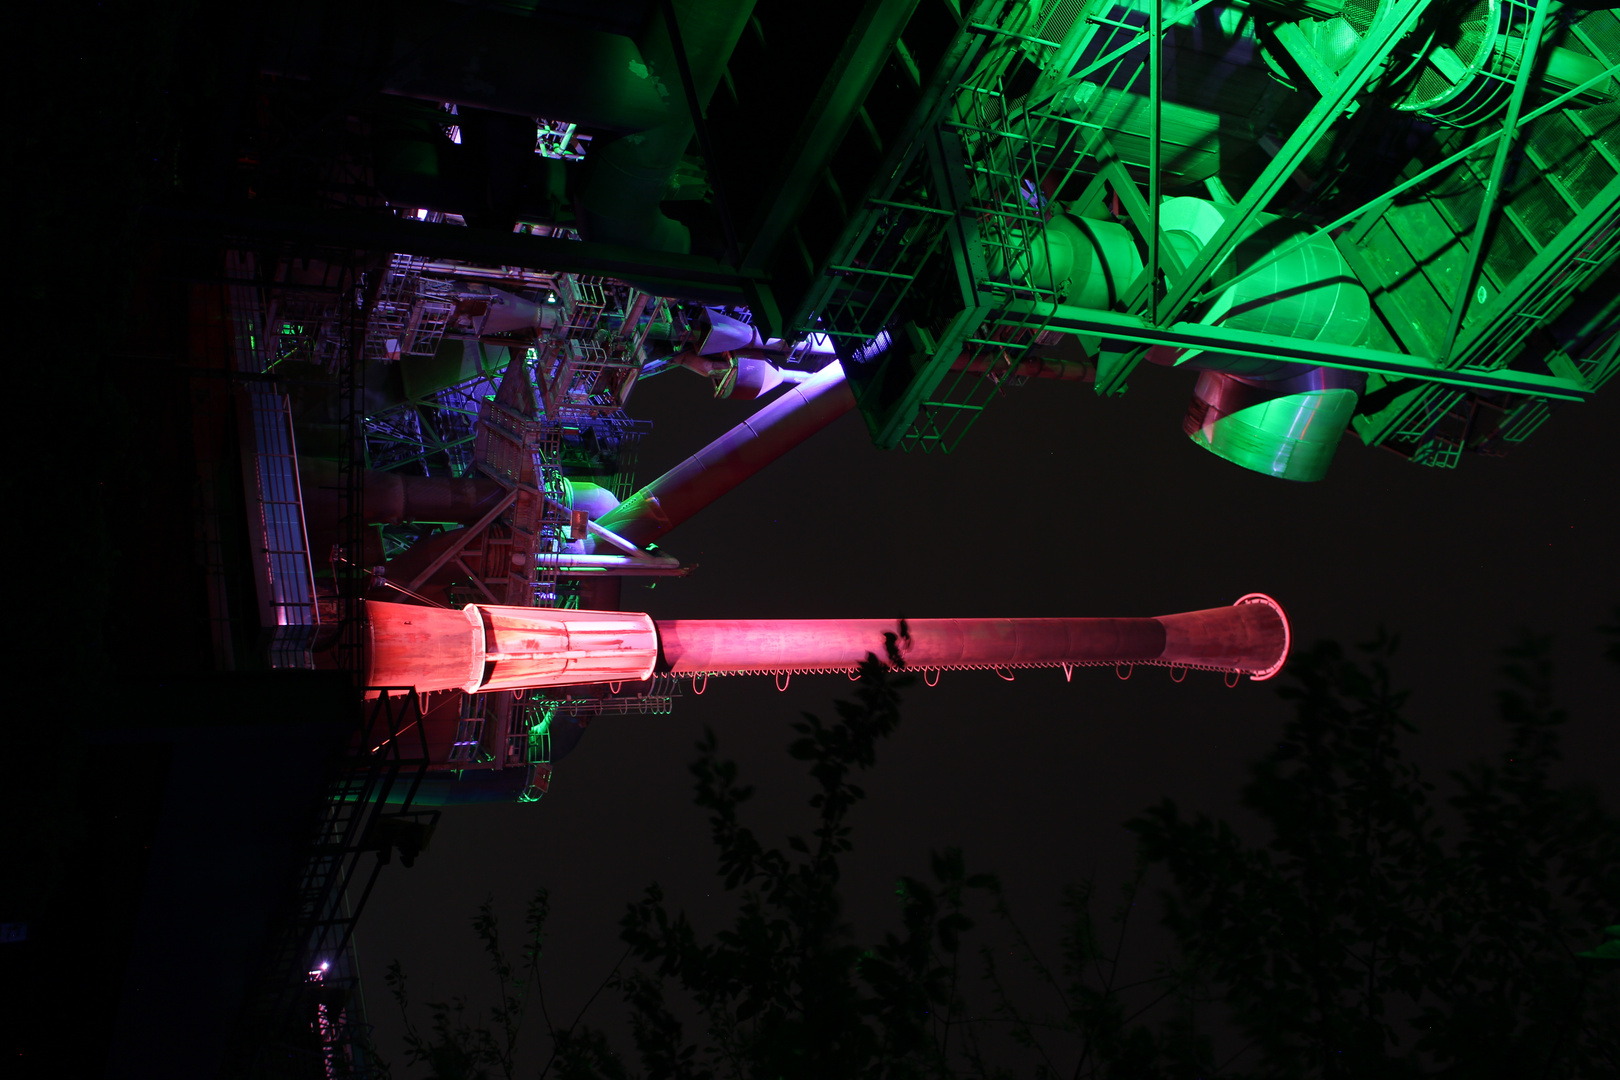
(732, 458)
(799, 413)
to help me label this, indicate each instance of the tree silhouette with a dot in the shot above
(1380, 929)
(785, 992)
(1361, 940)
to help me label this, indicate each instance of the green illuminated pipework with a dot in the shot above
(1291, 437)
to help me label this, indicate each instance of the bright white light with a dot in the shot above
(421, 215)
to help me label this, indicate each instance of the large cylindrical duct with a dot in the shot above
(426, 648)
(486, 647)
(1275, 417)
(1288, 429)
(393, 498)
(1086, 263)
(505, 313)
(1250, 637)
(801, 411)
(1307, 292)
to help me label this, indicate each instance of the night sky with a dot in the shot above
(1056, 504)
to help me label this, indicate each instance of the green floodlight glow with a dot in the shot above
(1291, 437)
(540, 715)
(1606, 950)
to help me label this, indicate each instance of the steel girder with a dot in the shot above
(1139, 331)
(1113, 369)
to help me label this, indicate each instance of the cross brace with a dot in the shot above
(1219, 339)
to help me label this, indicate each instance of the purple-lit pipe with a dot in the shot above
(753, 444)
(741, 452)
(1250, 637)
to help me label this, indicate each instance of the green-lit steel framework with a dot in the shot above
(1478, 256)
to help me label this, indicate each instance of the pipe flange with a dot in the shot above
(1288, 636)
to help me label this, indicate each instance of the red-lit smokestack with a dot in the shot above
(1250, 637)
(485, 647)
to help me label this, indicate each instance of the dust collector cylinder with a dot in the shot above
(1086, 263)
(1276, 417)
(1289, 432)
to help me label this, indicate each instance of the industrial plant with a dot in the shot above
(443, 244)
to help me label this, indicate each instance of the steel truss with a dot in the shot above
(975, 174)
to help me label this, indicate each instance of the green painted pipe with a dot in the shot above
(1275, 417)
(1087, 263)
(1190, 137)
(1291, 436)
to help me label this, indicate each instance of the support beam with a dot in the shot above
(621, 565)
(1369, 211)
(1155, 114)
(1484, 228)
(1374, 49)
(475, 579)
(455, 547)
(1221, 339)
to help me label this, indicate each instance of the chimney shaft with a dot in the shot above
(489, 647)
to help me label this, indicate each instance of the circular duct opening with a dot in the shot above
(1288, 432)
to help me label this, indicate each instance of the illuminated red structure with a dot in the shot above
(485, 648)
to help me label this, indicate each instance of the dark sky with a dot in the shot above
(1057, 503)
